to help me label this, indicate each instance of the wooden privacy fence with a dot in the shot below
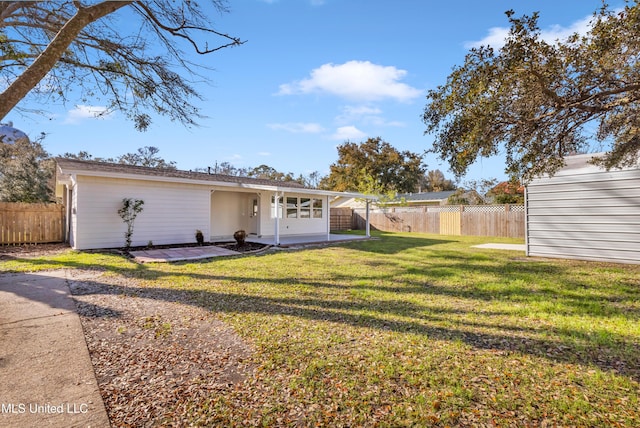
(22, 223)
(476, 220)
(341, 219)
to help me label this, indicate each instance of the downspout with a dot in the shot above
(72, 210)
(67, 225)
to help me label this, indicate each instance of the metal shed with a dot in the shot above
(585, 212)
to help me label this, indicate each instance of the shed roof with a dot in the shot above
(582, 164)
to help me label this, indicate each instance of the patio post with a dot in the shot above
(368, 227)
(328, 219)
(276, 199)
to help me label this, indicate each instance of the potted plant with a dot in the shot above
(199, 237)
(240, 236)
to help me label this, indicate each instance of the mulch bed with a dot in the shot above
(31, 250)
(245, 248)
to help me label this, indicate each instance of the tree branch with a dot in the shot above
(47, 59)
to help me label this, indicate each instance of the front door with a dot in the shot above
(254, 215)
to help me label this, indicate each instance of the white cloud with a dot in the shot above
(82, 112)
(297, 128)
(497, 35)
(365, 114)
(264, 154)
(358, 80)
(348, 133)
(359, 111)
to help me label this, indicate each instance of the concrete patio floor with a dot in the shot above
(209, 251)
(286, 241)
(512, 247)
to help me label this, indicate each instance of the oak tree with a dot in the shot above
(130, 55)
(26, 172)
(374, 165)
(537, 101)
(435, 181)
(146, 156)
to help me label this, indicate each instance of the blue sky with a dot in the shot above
(312, 75)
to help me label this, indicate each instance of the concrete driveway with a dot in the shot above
(46, 376)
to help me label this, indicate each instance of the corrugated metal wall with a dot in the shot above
(585, 213)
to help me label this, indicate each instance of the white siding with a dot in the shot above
(585, 213)
(230, 211)
(171, 214)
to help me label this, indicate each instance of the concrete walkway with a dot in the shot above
(209, 251)
(46, 376)
(180, 254)
(512, 247)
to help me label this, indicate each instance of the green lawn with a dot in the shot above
(412, 330)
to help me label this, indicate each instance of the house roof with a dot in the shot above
(69, 167)
(425, 196)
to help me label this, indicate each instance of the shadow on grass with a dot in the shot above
(392, 244)
(405, 317)
(398, 293)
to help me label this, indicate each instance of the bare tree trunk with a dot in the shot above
(28, 80)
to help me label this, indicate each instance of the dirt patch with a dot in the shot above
(153, 351)
(31, 250)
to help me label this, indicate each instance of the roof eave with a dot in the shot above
(128, 176)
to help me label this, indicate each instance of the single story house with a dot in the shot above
(178, 203)
(420, 199)
(585, 212)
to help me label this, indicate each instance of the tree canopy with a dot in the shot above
(144, 156)
(60, 49)
(435, 181)
(538, 101)
(26, 172)
(374, 166)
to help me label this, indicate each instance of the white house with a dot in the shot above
(585, 212)
(420, 199)
(177, 203)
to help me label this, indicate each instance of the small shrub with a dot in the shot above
(199, 237)
(240, 236)
(128, 212)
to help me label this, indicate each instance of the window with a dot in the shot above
(317, 208)
(305, 208)
(276, 210)
(292, 207)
